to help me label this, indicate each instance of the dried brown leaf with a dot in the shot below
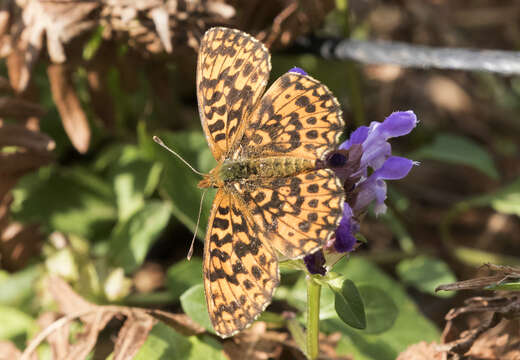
(59, 339)
(501, 342)
(87, 339)
(18, 135)
(19, 108)
(5, 87)
(19, 163)
(502, 273)
(19, 66)
(133, 334)
(447, 94)
(182, 323)
(74, 306)
(72, 115)
(18, 244)
(68, 300)
(161, 20)
(421, 351)
(9, 351)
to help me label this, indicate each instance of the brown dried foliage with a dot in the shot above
(22, 149)
(484, 328)
(137, 324)
(32, 30)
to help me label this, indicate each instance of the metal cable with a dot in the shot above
(418, 56)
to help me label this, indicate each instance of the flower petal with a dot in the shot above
(397, 124)
(315, 263)
(394, 168)
(345, 239)
(298, 71)
(356, 137)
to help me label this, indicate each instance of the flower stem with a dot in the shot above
(313, 317)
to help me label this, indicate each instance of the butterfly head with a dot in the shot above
(211, 180)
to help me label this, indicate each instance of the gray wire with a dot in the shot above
(384, 52)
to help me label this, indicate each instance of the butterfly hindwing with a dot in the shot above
(240, 270)
(298, 214)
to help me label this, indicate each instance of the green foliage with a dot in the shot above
(458, 150)
(71, 200)
(165, 343)
(381, 311)
(17, 288)
(409, 326)
(426, 273)
(16, 326)
(349, 305)
(179, 182)
(131, 241)
(183, 275)
(193, 304)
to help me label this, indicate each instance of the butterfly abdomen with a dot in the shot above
(269, 167)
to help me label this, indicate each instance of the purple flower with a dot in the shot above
(367, 147)
(377, 154)
(298, 71)
(315, 263)
(348, 226)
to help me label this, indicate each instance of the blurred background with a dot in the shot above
(86, 195)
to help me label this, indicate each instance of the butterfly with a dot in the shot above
(275, 194)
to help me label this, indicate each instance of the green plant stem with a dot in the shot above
(313, 317)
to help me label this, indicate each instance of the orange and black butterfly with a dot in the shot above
(274, 193)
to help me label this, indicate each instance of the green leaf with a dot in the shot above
(133, 177)
(91, 47)
(426, 273)
(164, 343)
(380, 309)
(72, 200)
(409, 328)
(513, 285)
(133, 238)
(205, 348)
(16, 325)
(458, 150)
(193, 303)
(183, 275)
(507, 200)
(179, 183)
(17, 288)
(349, 305)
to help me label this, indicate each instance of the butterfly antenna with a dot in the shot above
(190, 252)
(160, 142)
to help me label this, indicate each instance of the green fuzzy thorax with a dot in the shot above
(270, 167)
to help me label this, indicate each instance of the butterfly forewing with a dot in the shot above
(298, 116)
(241, 270)
(232, 72)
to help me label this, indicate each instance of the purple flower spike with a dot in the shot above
(376, 148)
(315, 263)
(345, 239)
(298, 71)
(367, 147)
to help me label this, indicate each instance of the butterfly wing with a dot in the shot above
(298, 214)
(298, 116)
(240, 268)
(232, 72)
